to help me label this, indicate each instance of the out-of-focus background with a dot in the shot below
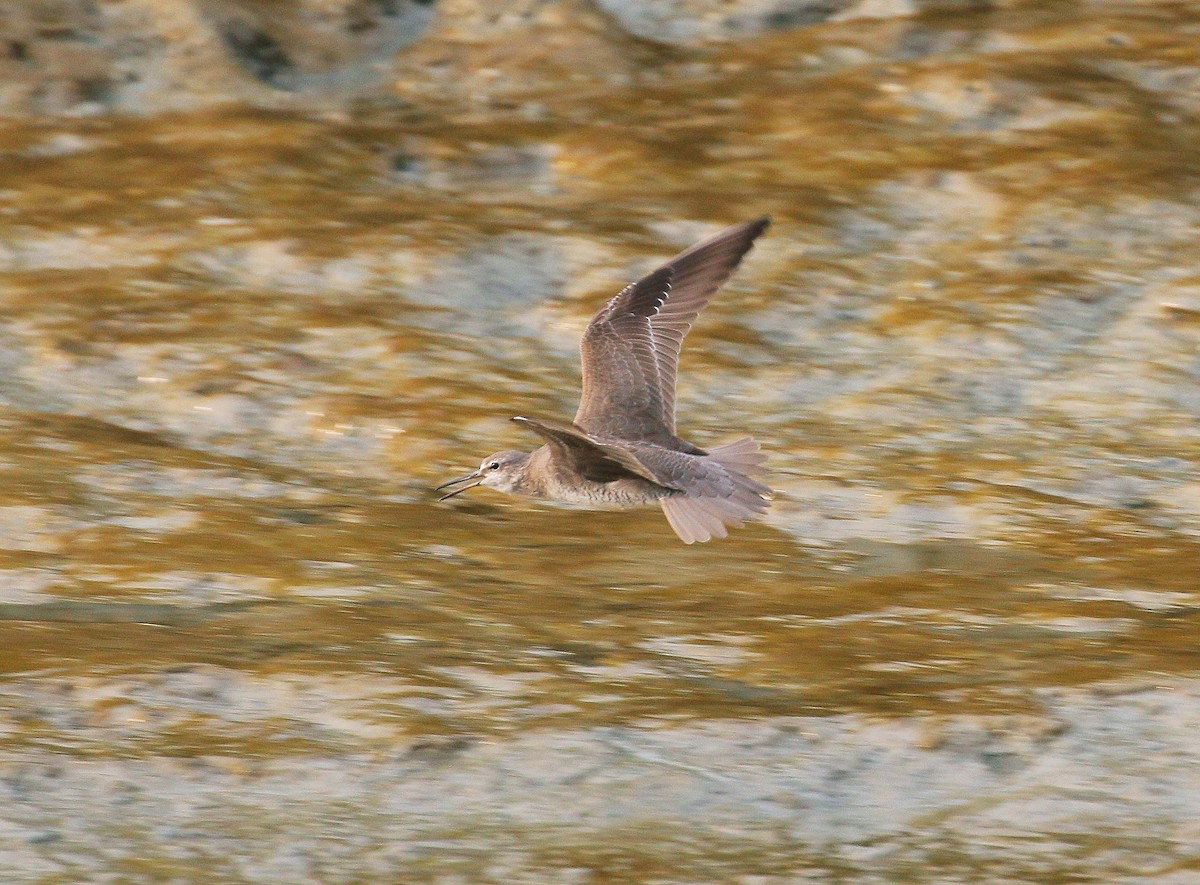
(269, 271)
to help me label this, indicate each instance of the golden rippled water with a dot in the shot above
(240, 641)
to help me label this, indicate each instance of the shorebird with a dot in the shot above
(621, 450)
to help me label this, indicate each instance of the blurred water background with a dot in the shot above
(271, 270)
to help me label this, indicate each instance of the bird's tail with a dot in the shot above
(704, 518)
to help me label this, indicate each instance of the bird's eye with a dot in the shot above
(495, 465)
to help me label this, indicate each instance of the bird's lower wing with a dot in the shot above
(593, 460)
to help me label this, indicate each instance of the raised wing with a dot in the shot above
(631, 347)
(590, 459)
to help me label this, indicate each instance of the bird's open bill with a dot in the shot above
(477, 476)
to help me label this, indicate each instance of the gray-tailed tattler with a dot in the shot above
(621, 450)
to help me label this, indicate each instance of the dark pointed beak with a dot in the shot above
(473, 478)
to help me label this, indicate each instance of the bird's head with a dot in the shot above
(500, 471)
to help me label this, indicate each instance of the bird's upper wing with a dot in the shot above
(592, 460)
(631, 347)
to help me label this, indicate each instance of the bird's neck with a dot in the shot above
(534, 474)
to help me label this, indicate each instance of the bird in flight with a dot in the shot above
(621, 450)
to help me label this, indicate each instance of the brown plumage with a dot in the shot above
(622, 449)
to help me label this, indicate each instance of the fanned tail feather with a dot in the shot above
(704, 518)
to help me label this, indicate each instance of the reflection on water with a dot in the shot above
(242, 642)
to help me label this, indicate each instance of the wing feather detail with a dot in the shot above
(631, 347)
